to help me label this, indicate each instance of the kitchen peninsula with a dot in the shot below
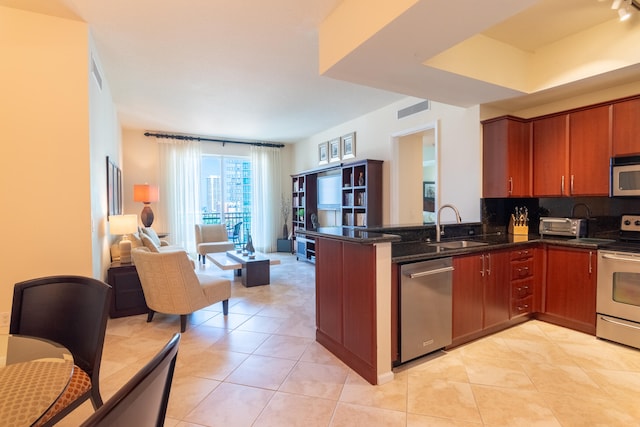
(358, 286)
(354, 298)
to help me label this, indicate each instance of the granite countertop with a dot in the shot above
(420, 250)
(403, 252)
(351, 234)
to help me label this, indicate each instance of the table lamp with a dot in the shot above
(146, 194)
(123, 225)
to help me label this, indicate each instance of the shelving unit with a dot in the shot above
(360, 205)
(298, 203)
(362, 193)
(303, 200)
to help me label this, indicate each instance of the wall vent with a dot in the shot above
(96, 72)
(420, 106)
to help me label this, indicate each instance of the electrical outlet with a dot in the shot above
(4, 319)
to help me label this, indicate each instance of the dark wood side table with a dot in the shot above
(127, 298)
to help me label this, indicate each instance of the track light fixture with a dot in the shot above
(624, 13)
(624, 8)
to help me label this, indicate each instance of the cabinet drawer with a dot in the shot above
(522, 254)
(521, 306)
(521, 269)
(521, 289)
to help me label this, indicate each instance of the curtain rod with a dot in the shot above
(223, 141)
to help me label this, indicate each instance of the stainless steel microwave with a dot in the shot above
(625, 176)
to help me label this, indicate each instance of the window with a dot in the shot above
(226, 192)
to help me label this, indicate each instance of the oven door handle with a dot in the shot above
(620, 258)
(606, 319)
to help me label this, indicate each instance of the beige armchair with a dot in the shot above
(211, 238)
(171, 285)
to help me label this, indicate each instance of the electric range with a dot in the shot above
(618, 286)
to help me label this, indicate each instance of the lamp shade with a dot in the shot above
(123, 224)
(145, 193)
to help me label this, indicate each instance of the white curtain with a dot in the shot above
(266, 224)
(180, 191)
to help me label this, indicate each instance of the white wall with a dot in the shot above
(458, 133)
(105, 140)
(47, 157)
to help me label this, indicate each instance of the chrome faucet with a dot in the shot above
(588, 209)
(458, 219)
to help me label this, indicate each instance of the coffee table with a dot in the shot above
(254, 271)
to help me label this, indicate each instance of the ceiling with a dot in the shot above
(249, 69)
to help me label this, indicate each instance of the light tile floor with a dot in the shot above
(260, 366)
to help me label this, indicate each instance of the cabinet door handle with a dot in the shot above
(482, 269)
(571, 188)
(590, 262)
(510, 186)
(562, 185)
(489, 262)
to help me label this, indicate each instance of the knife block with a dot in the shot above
(518, 230)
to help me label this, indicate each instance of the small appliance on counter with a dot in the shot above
(563, 227)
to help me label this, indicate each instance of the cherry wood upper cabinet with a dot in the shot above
(626, 127)
(551, 156)
(589, 152)
(506, 155)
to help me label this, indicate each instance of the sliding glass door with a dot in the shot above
(225, 193)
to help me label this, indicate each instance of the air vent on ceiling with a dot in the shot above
(96, 72)
(416, 108)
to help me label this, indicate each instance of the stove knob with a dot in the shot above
(627, 222)
(637, 223)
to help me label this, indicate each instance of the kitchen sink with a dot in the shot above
(458, 244)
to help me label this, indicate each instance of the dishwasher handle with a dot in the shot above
(430, 272)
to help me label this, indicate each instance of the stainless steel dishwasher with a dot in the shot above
(425, 307)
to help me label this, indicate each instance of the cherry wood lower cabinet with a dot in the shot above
(570, 291)
(481, 294)
(526, 266)
(346, 303)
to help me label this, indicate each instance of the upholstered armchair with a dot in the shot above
(212, 238)
(172, 286)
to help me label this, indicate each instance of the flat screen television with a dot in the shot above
(329, 192)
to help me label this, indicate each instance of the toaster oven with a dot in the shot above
(567, 227)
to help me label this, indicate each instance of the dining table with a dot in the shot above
(33, 374)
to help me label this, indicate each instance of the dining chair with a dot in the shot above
(143, 400)
(71, 311)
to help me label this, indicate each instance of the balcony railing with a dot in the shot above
(230, 219)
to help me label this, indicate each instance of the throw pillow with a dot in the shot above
(136, 241)
(152, 235)
(148, 243)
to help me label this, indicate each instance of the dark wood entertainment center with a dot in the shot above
(360, 205)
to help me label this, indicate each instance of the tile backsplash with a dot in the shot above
(604, 212)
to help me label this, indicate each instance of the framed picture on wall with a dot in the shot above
(334, 150)
(114, 189)
(323, 153)
(429, 196)
(429, 189)
(349, 146)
